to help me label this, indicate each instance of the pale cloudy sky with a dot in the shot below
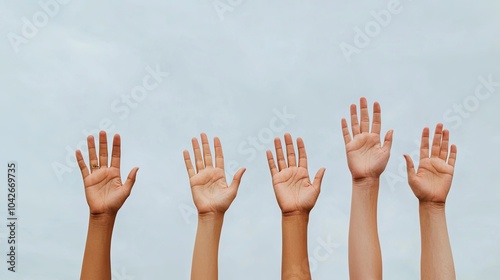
(245, 71)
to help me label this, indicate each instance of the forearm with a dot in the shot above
(436, 258)
(206, 248)
(365, 258)
(295, 262)
(96, 260)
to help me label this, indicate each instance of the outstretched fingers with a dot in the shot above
(279, 154)
(103, 149)
(443, 153)
(116, 151)
(290, 151)
(207, 155)
(365, 117)
(235, 184)
(436, 142)
(271, 163)
(189, 164)
(219, 155)
(345, 131)
(302, 153)
(410, 167)
(81, 163)
(424, 144)
(377, 118)
(354, 120)
(93, 161)
(129, 183)
(318, 178)
(453, 155)
(198, 158)
(388, 140)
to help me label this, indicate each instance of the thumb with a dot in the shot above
(318, 178)
(237, 179)
(388, 140)
(129, 183)
(410, 168)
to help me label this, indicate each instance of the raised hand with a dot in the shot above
(294, 191)
(211, 194)
(212, 197)
(366, 157)
(105, 195)
(433, 179)
(296, 197)
(104, 190)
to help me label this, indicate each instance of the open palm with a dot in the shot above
(104, 190)
(366, 157)
(209, 188)
(432, 181)
(294, 191)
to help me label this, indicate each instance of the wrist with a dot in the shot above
(210, 217)
(297, 213)
(432, 206)
(102, 217)
(102, 222)
(365, 183)
(295, 217)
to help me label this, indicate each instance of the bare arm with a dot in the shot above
(431, 184)
(97, 259)
(206, 247)
(296, 196)
(105, 195)
(212, 197)
(367, 159)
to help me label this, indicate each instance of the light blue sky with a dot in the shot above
(231, 71)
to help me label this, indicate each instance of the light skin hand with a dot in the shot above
(212, 197)
(211, 193)
(366, 157)
(431, 184)
(294, 191)
(432, 181)
(104, 190)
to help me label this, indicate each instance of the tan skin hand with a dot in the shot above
(211, 193)
(432, 181)
(366, 157)
(294, 191)
(104, 190)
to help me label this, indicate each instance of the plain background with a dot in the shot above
(233, 68)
